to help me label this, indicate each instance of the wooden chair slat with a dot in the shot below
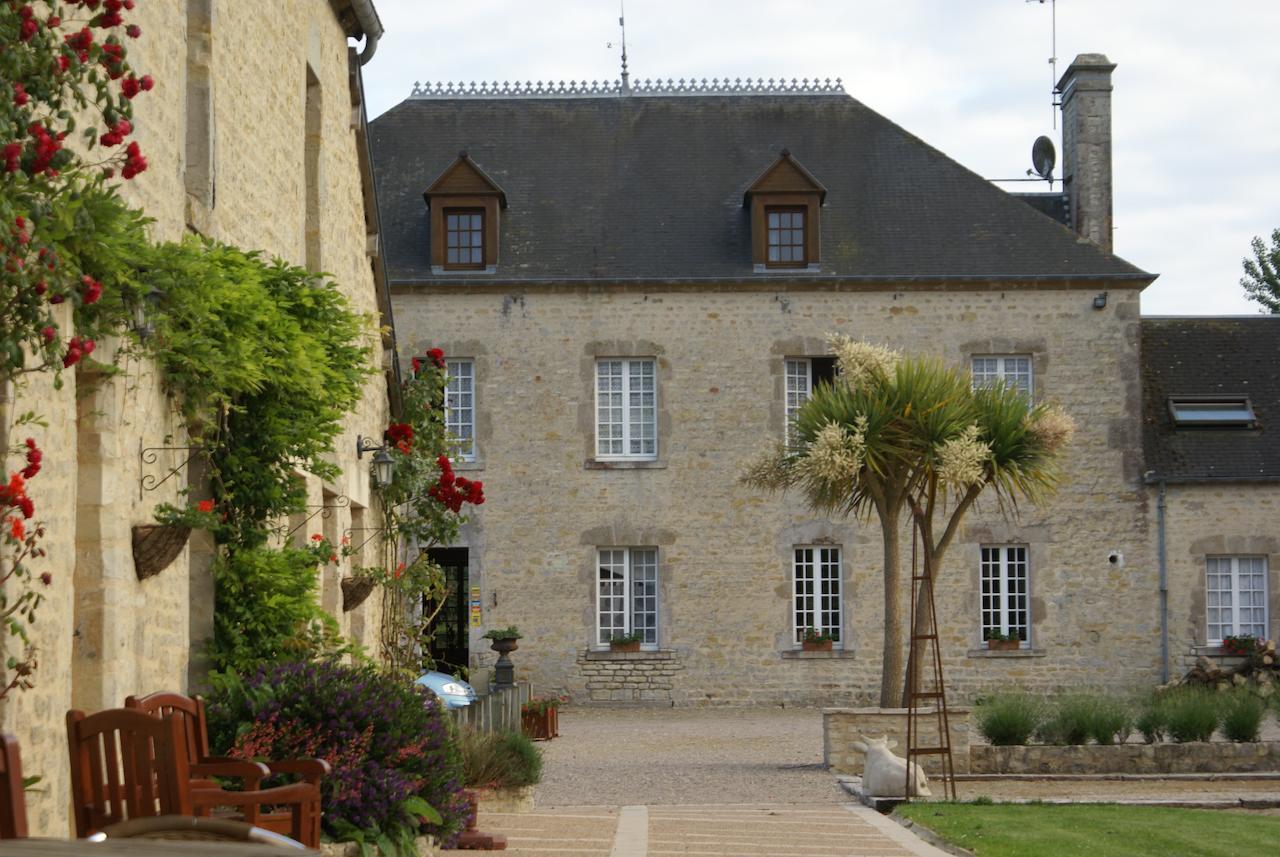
(13, 801)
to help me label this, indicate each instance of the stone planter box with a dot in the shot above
(1209, 757)
(815, 645)
(426, 847)
(518, 799)
(842, 726)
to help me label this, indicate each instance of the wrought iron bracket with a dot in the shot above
(373, 530)
(150, 455)
(324, 511)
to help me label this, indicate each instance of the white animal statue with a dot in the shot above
(884, 774)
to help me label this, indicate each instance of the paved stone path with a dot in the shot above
(719, 783)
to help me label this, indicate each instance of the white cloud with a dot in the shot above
(1195, 129)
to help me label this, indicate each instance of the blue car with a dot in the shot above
(454, 692)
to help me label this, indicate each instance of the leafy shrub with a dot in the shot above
(499, 759)
(1151, 721)
(1008, 719)
(1110, 720)
(267, 610)
(1242, 715)
(390, 743)
(1070, 721)
(1190, 713)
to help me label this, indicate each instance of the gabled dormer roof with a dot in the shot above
(785, 175)
(464, 178)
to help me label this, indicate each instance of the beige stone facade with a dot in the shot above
(725, 551)
(245, 109)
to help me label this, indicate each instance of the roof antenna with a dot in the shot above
(1053, 57)
(622, 22)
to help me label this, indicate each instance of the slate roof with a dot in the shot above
(651, 188)
(1211, 356)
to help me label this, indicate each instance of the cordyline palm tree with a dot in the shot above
(897, 434)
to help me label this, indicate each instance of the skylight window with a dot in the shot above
(1212, 412)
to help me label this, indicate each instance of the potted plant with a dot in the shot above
(814, 640)
(1001, 642)
(539, 717)
(503, 641)
(625, 642)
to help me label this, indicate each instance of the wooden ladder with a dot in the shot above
(932, 692)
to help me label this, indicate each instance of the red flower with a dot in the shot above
(130, 86)
(417, 365)
(92, 290)
(437, 357)
(317, 538)
(17, 529)
(46, 578)
(401, 436)
(28, 508)
(205, 505)
(133, 31)
(20, 96)
(48, 333)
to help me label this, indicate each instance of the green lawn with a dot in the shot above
(1098, 830)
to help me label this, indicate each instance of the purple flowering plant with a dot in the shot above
(397, 772)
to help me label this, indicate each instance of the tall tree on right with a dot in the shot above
(1261, 280)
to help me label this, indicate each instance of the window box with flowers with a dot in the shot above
(814, 640)
(539, 718)
(156, 546)
(999, 642)
(626, 642)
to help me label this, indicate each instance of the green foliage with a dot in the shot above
(508, 633)
(499, 759)
(267, 358)
(1189, 713)
(1096, 830)
(1151, 722)
(1068, 721)
(1242, 715)
(1110, 720)
(267, 611)
(1261, 280)
(1008, 718)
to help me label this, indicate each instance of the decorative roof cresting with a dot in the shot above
(595, 88)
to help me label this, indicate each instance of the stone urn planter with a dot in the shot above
(355, 590)
(504, 642)
(815, 645)
(155, 546)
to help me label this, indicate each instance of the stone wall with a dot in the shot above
(103, 634)
(843, 726)
(1191, 758)
(628, 677)
(725, 550)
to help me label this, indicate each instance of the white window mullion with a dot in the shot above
(816, 593)
(459, 408)
(627, 595)
(626, 409)
(799, 381)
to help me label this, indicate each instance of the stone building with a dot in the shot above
(255, 136)
(633, 286)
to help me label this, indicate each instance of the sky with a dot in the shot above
(1196, 131)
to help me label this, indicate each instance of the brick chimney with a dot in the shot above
(1085, 90)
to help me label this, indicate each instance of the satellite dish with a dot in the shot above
(1043, 157)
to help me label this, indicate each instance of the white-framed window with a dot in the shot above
(816, 587)
(802, 374)
(626, 408)
(1013, 369)
(1236, 597)
(460, 408)
(1005, 600)
(627, 595)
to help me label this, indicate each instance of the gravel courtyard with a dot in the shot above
(617, 757)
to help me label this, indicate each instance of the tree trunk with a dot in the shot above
(892, 665)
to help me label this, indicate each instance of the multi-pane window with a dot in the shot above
(1004, 592)
(626, 409)
(1014, 370)
(1236, 596)
(786, 243)
(464, 238)
(802, 375)
(627, 595)
(460, 408)
(817, 592)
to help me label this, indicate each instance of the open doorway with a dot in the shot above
(445, 636)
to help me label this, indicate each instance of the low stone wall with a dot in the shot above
(1191, 758)
(644, 678)
(842, 726)
(517, 799)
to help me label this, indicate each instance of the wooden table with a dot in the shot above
(138, 847)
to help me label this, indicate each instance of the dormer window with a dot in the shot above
(464, 237)
(1212, 412)
(464, 204)
(784, 203)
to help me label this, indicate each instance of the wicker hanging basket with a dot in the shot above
(354, 592)
(155, 546)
